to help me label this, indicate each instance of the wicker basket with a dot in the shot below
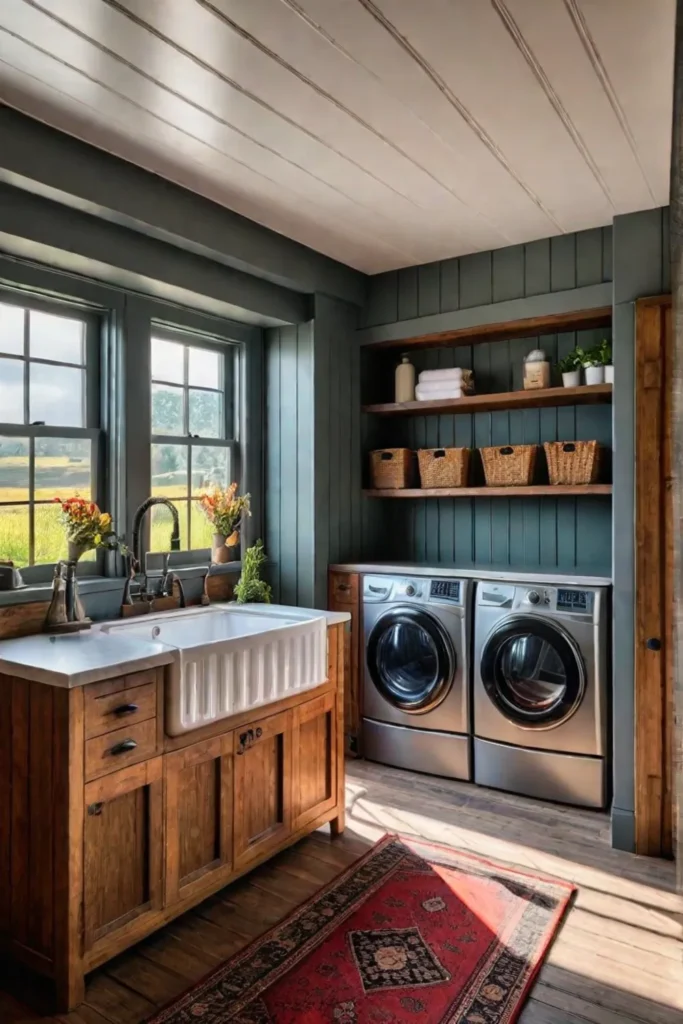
(572, 462)
(443, 467)
(509, 465)
(390, 468)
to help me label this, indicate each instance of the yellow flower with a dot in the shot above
(105, 520)
(98, 538)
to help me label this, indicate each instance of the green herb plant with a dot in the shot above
(604, 351)
(570, 362)
(250, 587)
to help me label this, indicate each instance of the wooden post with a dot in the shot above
(677, 413)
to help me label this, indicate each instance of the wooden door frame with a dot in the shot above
(654, 578)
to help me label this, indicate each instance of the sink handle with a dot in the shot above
(123, 747)
(125, 709)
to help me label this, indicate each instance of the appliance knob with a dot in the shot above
(534, 597)
(410, 590)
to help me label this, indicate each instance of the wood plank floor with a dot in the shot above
(617, 960)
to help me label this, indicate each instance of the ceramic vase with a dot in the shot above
(571, 379)
(74, 550)
(225, 549)
(594, 374)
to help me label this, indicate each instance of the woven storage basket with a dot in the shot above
(390, 468)
(572, 462)
(443, 467)
(509, 465)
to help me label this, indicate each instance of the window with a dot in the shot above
(48, 424)
(194, 443)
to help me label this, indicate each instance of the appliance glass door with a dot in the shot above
(410, 659)
(533, 672)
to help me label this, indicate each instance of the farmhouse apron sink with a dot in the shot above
(232, 660)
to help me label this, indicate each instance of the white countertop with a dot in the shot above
(79, 658)
(483, 572)
(91, 656)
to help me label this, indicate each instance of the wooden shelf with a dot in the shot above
(527, 327)
(583, 395)
(532, 491)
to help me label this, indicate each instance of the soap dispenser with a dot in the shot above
(405, 381)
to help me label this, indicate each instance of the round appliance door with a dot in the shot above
(533, 672)
(411, 659)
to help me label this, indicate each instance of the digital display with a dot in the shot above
(573, 601)
(448, 589)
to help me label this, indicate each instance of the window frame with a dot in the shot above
(232, 366)
(92, 429)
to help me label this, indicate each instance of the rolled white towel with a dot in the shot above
(441, 375)
(423, 395)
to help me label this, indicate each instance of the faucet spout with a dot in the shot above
(140, 514)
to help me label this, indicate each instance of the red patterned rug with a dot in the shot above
(410, 932)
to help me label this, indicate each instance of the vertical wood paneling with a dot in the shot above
(537, 267)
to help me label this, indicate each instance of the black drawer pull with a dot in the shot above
(247, 738)
(126, 709)
(94, 810)
(123, 747)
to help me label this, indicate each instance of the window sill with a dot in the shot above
(102, 584)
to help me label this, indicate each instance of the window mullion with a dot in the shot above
(27, 369)
(31, 501)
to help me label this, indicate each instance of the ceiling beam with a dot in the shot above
(41, 159)
(39, 229)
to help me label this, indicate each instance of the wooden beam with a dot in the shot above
(517, 318)
(649, 658)
(676, 214)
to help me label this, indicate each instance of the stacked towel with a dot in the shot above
(433, 384)
(424, 393)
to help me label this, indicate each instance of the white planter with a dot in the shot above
(594, 374)
(571, 379)
(609, 374)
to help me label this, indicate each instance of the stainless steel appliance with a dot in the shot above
(415, 701)
(540, 690)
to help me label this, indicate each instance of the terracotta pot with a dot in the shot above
(75, 550)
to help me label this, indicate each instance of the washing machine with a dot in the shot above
(415, 700)
(540, 690)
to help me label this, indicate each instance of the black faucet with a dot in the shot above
(140, 513)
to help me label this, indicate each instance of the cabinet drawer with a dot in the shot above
(120, 709)
(343, 588)
(114, 750)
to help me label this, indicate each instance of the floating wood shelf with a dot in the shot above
(530, 491)
(542, 399)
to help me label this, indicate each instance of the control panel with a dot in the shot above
(445, 590)
(570, 600)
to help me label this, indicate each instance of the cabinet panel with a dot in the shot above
(116, 710)
(123, 850)
(198, 806)
(314, 748)
(344, 596)
(263, 786)
(115, 750)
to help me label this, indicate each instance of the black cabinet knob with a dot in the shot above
(653, 644)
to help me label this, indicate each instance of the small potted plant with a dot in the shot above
(593, 366)
(86, 527)
(250, 587)
(225, 510)
(605, 351)
(570, 368)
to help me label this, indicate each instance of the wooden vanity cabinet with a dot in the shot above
(101, 844)
(344, 595)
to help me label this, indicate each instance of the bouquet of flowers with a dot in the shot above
(86, 526)
(225, 509)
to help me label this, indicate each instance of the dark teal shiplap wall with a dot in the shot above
(289, 465)
(544, 534)
(313, 457)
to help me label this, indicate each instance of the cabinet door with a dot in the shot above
(198, 815)
(123, 852)
(344, 596)
(263, 787)
(314, 759)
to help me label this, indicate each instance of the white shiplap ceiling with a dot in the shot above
(383, 133)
